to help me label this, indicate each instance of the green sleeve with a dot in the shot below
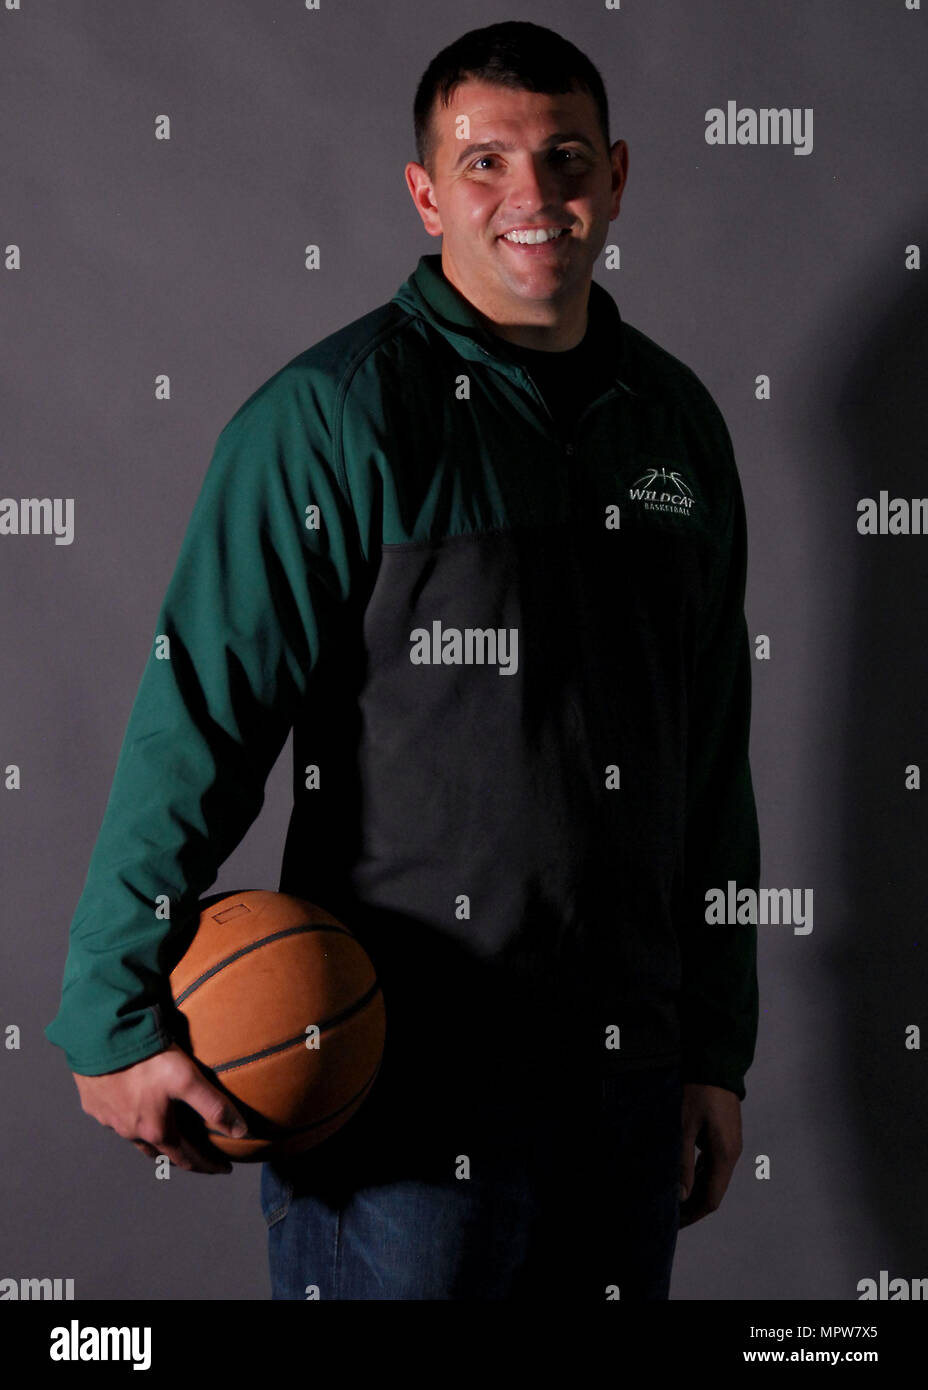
(719, 995)
(254, 598)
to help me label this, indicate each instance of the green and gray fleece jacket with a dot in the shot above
(517, 673)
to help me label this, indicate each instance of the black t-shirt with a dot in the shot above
(568, 379)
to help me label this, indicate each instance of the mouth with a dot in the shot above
(535, 240)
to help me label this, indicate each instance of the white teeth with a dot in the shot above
(532, 237)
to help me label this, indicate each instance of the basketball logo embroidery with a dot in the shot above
(663, 490)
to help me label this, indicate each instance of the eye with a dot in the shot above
(575, 156)
(480, 159)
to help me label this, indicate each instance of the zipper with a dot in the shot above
(568, 445)
(611, 391)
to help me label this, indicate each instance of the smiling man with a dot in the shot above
(494, 453)
(521, 186)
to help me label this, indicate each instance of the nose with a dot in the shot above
(533, 185)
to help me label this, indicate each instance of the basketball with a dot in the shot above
(281, 1007)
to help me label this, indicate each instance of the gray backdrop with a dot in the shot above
(141, 256)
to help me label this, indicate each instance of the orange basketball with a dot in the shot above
(284, 1012)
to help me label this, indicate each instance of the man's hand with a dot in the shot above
(711, 1123)
(137, 1102)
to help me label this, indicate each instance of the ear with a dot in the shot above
(420, 189)
(618, 156)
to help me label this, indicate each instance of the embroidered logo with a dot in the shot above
(663, 490)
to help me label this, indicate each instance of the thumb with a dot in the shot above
(688, 1158)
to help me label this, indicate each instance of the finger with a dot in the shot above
(148, 1150)
(154, 1134)
(198, 1153)
(689, 1136)
(215, 1109)
(718, 1176)
(695, 1207)
(162, 1142)
(693, 1211)
(182, 1155)
(199, 1160)
(687, 1167)
(712, 1178)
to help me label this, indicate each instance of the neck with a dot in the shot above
(564, 328)
(558, 337)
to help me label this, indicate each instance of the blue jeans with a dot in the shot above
(577, 1199)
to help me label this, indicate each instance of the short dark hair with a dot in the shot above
(514, 53)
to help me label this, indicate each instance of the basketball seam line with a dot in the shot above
(287, 1133)
(325, 1026)
(253, 946)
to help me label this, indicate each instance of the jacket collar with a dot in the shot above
(430, 295)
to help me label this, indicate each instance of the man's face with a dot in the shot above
(520, 160)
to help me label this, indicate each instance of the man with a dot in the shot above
(514, 647)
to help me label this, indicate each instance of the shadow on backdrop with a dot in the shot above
(878, 956)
